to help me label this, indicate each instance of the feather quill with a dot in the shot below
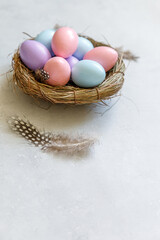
(128, 55)
(48, 141)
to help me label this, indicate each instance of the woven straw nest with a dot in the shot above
(69, 94)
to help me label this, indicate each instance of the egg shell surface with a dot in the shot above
(88, 73)
(106, 56)
(84, 45)
(59, 71)
(64, 42)
(45, 37)
(34, 54)
(72, 61)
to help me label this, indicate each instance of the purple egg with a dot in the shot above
(34, 54)
(72, 61)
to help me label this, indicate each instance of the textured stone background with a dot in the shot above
(114, 192)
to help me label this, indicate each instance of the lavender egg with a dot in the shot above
(72, 61)
(34, 54)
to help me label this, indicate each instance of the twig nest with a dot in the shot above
(83, 71)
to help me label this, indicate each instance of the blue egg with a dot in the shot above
(88, 73)
(84, 45)
(45, 37)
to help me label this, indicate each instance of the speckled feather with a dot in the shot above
(42, 75)
(48, 141)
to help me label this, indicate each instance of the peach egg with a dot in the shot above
(106, 56)
(59, 71)
(64, 42)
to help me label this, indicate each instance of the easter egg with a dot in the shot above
(64, 42)
(72, 61)
(59, 71)
(45, 37)
(106, 56)
(88, 73)
(34, 54)
(84, 45)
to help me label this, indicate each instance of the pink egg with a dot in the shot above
(64, 42)
(59, 71)
(106, 56)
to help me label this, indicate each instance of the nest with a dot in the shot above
(27, 80)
